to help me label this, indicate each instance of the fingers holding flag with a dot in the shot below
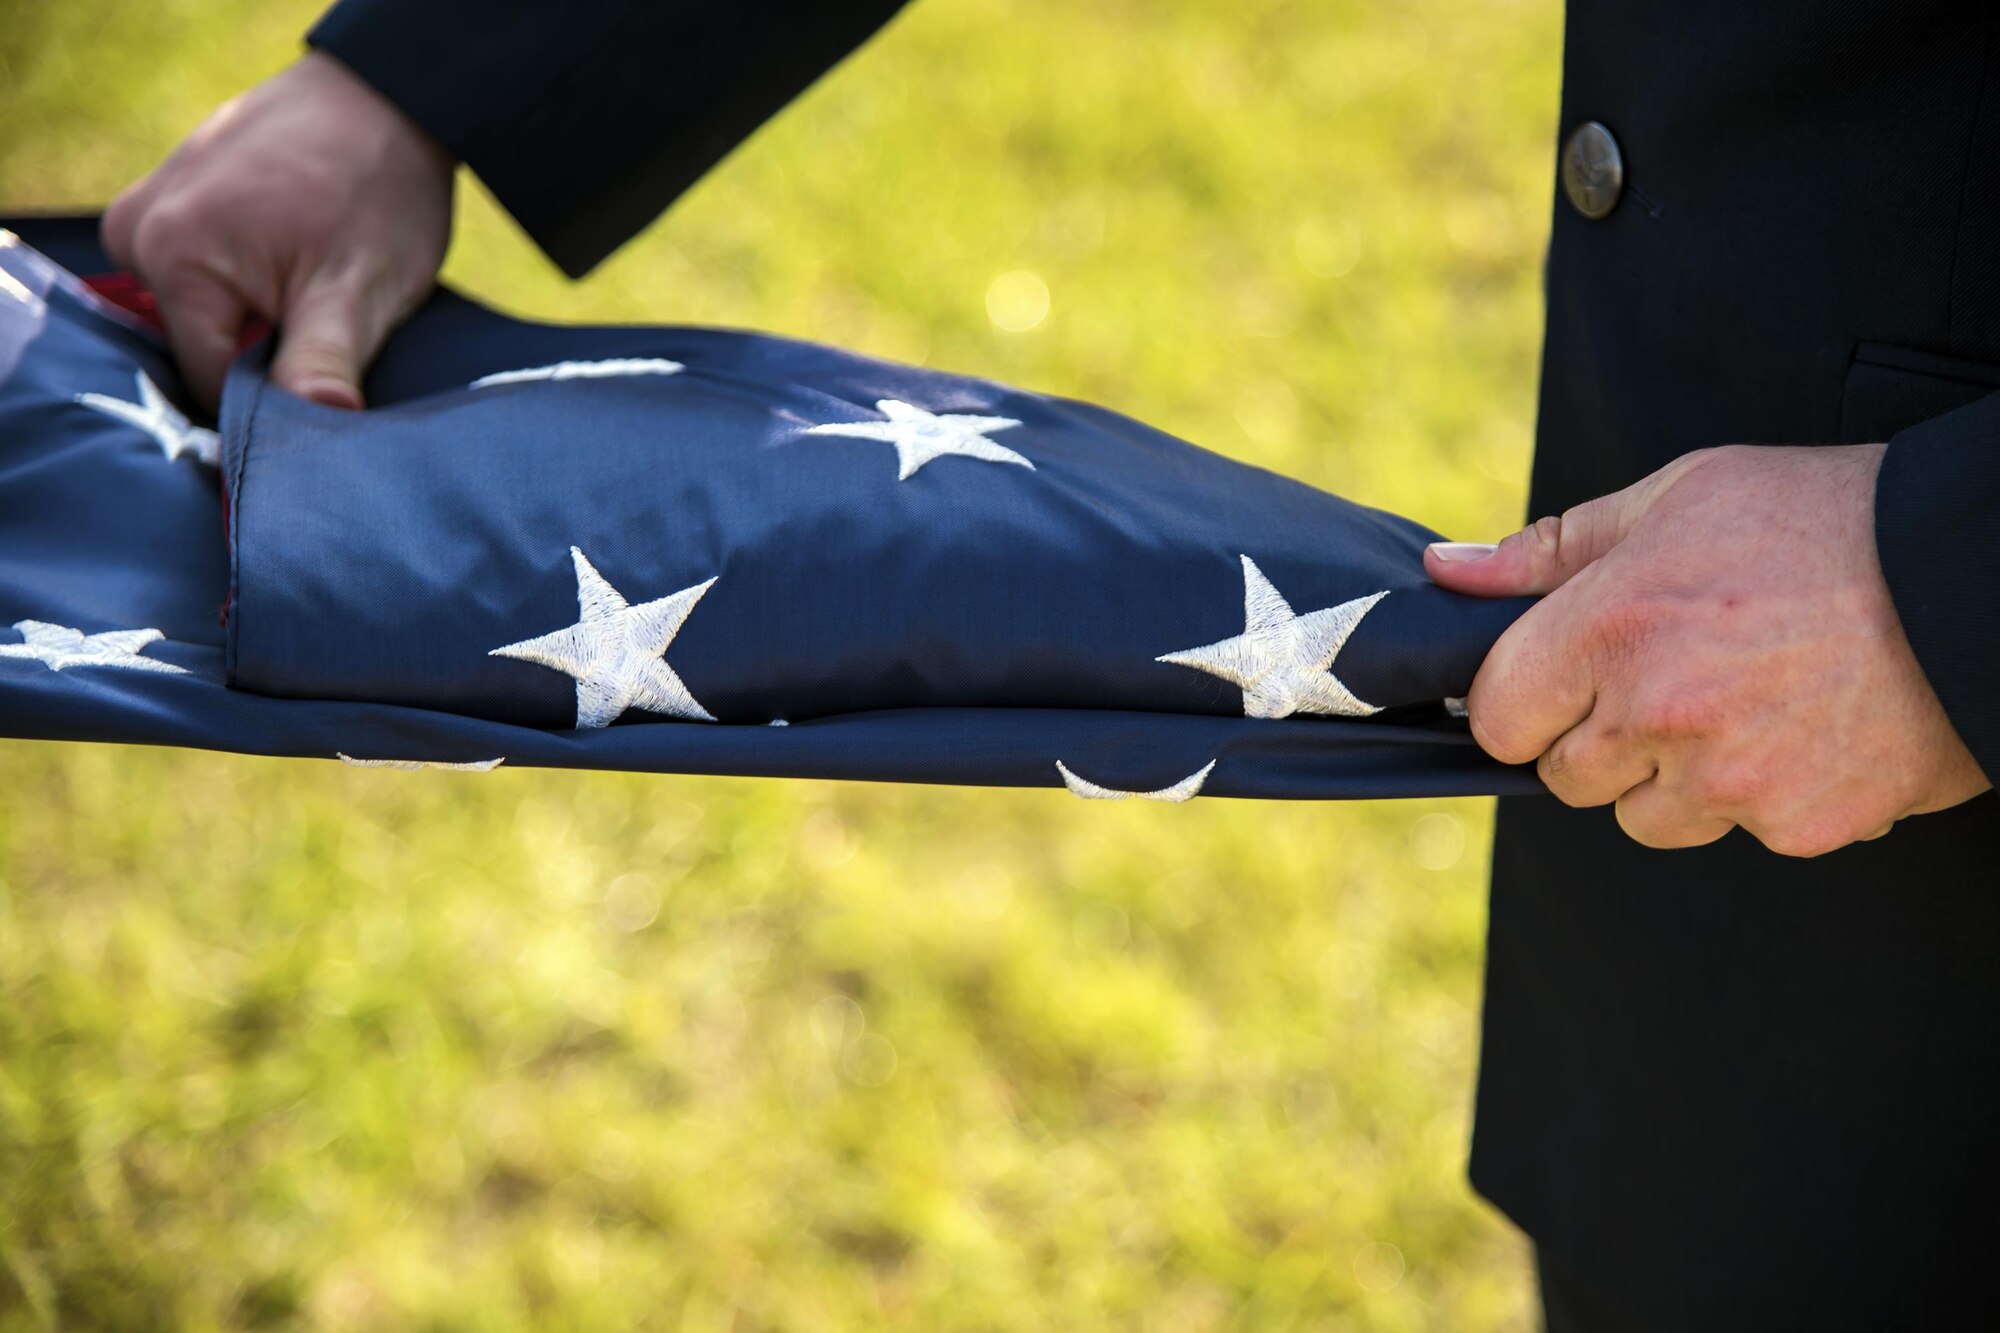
(1541, 679)
(1559, 688)
(311, 201)
(1550, 551)
(1715, 647)
(331, 331)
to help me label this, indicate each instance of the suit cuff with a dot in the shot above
(1937, 531)
(586, 119)
(479, 76)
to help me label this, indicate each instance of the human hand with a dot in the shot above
(1717, 648)
(310, 200)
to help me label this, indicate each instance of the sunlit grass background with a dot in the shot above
(286, 1044)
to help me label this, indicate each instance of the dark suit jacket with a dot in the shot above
(1721, 1089)
(586, 118)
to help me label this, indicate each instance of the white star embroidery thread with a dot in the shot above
(583, 370)
(414, 765)
(59, 646)
(1184, 790)
(1282, 660)
(161, 420)
(921, 436)
(617, 651)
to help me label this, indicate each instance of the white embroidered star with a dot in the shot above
(1282, 659)
(1184, 790)
(584, 370)
(416, 765)
(617, 651)
(60, 646)
(161, 420)
(921, 436)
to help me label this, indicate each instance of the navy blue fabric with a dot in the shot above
(96, 528)
(973, 623)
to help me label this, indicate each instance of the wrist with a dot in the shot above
(333, 88)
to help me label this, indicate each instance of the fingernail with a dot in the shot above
(1453, 553)
(331, 393)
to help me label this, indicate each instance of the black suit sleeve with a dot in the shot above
(586, 118)
(1937, 529)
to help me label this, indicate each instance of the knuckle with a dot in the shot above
(1826, 829)
(1661, 828)
(1642, 826)
(315, 354)
(327, 288)
(1576, 544)
(1696, 463)
(1569, 772)
(1572, 528)
(310, 345)
(1555, 766)
(1622, 620)
(1680, 712)
(1495, 737)
(1559, 776)
(162, 235)
(1549, 535)
(1802, 841)
(1694, 460)
(1491, 738)
(1537, 543)
(330, 304)
(1732, 785)
(121, 215)
(1570, 792)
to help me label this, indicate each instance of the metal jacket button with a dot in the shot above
(1593, 170)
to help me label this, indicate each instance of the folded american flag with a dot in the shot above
(693, 550)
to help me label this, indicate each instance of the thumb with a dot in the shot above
(1542, 556)
(324, 341)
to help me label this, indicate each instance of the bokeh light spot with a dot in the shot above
(1017, 300)
(984, 891)
(838, 1020)
(631, 903)
(1327, 247)
(870, 1060)
(1437, 841)
(1378, 1266)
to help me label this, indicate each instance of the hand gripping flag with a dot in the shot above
(698, 551)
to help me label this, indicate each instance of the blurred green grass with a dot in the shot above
(285, 1044)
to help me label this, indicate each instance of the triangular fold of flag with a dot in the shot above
(648, 547)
